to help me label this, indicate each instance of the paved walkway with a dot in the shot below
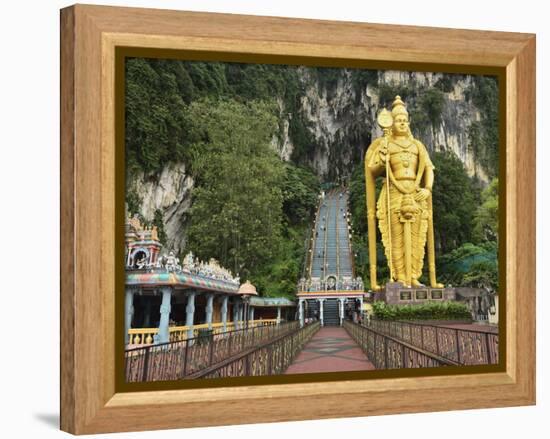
(330, 350)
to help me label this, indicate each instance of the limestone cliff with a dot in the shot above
(342, 118)
(169, 193)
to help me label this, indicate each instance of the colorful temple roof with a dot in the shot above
(146, 267)
(180, 280)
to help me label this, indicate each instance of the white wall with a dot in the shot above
(29, 134)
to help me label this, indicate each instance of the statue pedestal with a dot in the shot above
(396, 294)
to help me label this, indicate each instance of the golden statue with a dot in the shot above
(409, 175)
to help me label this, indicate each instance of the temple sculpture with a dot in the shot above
(404, 206)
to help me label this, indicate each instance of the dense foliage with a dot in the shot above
(158, 93)
(455, 200)
(486, 216)
(240, 230)
(278, 277)
(156, 125)
(249, 208)
(425, 311)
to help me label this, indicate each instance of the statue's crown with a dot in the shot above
(398, 107)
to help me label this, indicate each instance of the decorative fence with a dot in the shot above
(464, 346)
(271, 358)
(177, 360)
(145, 336)
(386, 352)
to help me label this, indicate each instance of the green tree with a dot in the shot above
(158, 220)
(279, 276)
(300, 190)
(357, 200)
(482, 274)
(455, 199)
(470, 265)
(432, 101)
(156, 125)
(133, 201)
(486, 216)
(237, 204)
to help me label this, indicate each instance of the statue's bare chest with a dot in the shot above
(403, 159)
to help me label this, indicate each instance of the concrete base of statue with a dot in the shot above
(395, 293)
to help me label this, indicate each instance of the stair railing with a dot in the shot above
(327, 217)
(337, 241)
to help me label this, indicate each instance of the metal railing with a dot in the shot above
(337, 227)
(311, 238)
(325, 239)
(271, 358)
(386, 352)
(177, 360)
(464, 346)
(145, 336)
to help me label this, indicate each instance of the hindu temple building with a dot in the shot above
(169, 300)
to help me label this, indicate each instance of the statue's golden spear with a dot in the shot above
(385, 120)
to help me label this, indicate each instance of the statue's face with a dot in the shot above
(401, 125)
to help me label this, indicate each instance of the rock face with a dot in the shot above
(342, 121)
(171, 194)
(341, 126)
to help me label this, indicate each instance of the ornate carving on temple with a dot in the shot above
(142, 244)
(143, 252)
(345, 283)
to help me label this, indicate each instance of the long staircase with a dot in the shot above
(331, 270)
(331, 255)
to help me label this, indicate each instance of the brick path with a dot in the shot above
(330, 350)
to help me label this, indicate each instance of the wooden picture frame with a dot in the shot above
(90, 35)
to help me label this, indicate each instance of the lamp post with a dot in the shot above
(247, 290)
(246, 303)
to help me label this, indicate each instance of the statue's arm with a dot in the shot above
(376, 156)
(428, 177)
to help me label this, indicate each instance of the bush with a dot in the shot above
(425, 311)
(204, 336)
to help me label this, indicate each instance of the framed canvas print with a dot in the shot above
(260, 213)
